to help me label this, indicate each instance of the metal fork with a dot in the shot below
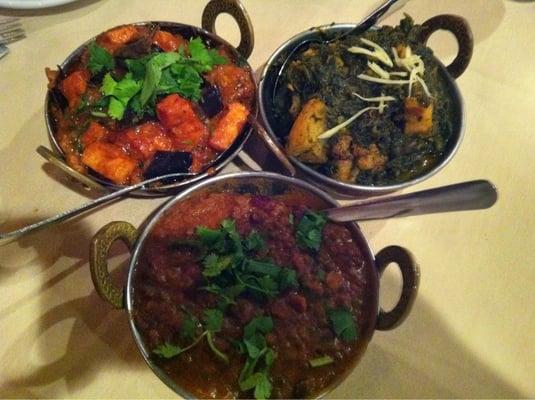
(11, 30)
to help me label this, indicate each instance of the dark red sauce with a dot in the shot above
(168, 281)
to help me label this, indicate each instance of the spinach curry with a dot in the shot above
(371, 109)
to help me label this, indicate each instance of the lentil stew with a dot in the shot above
(244, 295)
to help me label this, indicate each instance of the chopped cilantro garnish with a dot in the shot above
(343, 324)
(167, 350)
(99, 59)
(309, 230)
(189, 326)
(260, 357)
(254, 241)
(120, 93)
(320, 361)
(214, 265)
(151, 76)
(212, 319)
(204, 58)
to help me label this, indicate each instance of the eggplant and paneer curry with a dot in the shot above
(242, 296)
(142, 102)
(371, 109)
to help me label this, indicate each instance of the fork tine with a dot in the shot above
(10, 26)
(6, 34)
(12, 39)
(11, 30)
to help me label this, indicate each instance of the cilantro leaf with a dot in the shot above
(258, 324)
(254, 242)
(153, 73)
(287, 278)
(210, 237)
(263, 387)
(262, 267)
(204, 58)
(261, 384)
(189, 326)
(214, 264)
(212, 319)
(119, 93)
(343, 324)
(254, 374)
(309, 230)
(167, 350)
(99, 59)
(116, 109)
(137, 67)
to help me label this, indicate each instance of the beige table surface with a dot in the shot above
(471, 332)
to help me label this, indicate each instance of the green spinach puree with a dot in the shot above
(376, 148)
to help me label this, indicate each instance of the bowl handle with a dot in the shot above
(98, 259)
(238, 12)
(410, 274)
(462, 32)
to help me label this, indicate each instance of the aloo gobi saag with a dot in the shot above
(371, 109)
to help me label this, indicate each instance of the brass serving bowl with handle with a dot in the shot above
(269, 80)
(208, 34)
(256, 183)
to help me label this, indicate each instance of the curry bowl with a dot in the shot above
(311, 105)
(239, 287)
(113, 107)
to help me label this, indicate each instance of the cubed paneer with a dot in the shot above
(116, 38)
(234, 83)
(418, 117)
(229, 126)
(109, 161)
(142, 141)
(94, 133)
(74, 86)
(187, 137)
(169, 42)
(303, 142)
(369, 159)
(174, 110)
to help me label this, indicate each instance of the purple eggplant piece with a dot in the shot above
(210, 102)
(168, 162)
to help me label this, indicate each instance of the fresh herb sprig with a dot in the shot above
(309, 230)
(230, 269)
(211, 322)
(343, 324)
(152, 76)
(260, 357)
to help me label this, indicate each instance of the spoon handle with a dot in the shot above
(384, 10)
(8, 237)
(473, 195)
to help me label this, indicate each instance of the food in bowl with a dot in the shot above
(142, 101)
(371, 110)
(243, 295)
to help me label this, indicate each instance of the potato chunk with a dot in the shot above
(344, 171)
(418, 118)
(369, 159)
(303, 142)
(109, 161)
